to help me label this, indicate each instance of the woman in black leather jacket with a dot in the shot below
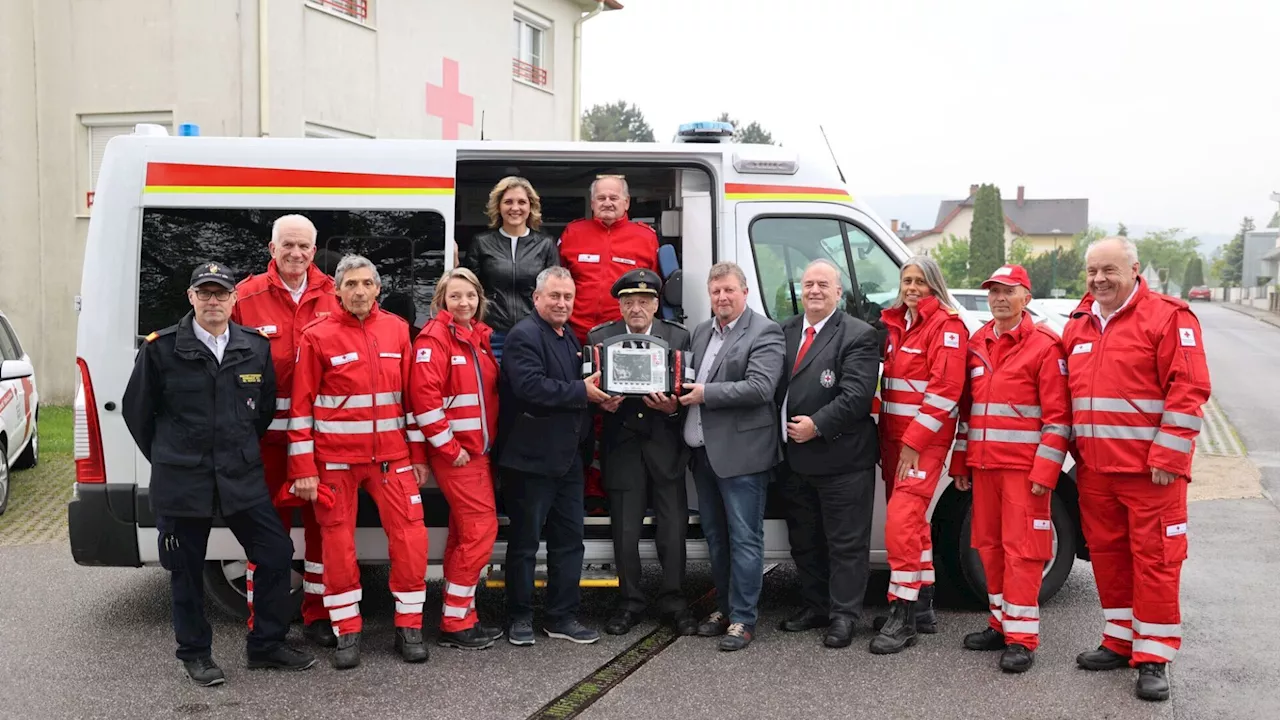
(508, 257)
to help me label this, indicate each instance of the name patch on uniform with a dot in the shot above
(1187, 337)
(951, 340)
(269, 329)
(1176, 530)
(625, 261)
(406, 468)
(1082, 348)
(344, 359)
(415, 499)
(1062, 366)
(977, 372)
(917, 474)
(586, 257)
(336, 466)
(393, 356)
(913, 351)
(253, 378)
(1039, 524)
(458, 360)
(424, 355)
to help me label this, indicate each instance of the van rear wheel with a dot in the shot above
(224, 582)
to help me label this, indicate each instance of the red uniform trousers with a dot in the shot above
(473, 527)
(275, 460)
(907, 536)
(395, 491)
(1013, 535)
(1137, 535)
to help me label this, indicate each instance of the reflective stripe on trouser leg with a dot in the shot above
(1158, 517)
(1026, 550)
(1155, 642)
(907, 529)
(473, 527)
(248, 591)
(393, 492)
(985, 537)
(339, 572)
(1105, 522)
(312, 568)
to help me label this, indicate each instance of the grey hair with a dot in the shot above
(626, 191)
(827, 263)
(355, 262)
(932, 277)
(286, 219)
(722, 269)
(555, 271)
(1130, 249)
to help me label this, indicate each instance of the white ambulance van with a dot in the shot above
(164, 204)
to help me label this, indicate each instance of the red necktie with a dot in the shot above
(804, 347)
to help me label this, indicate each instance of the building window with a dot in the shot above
(530, 43)
(98, 131)
(354, 9)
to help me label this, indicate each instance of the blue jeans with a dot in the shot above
(731, 511)
(496, 341)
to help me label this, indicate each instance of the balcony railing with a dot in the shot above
(528, 72)
(358, 9)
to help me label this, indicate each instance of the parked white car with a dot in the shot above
(19, 403)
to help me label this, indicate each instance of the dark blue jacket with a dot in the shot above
(543, 416)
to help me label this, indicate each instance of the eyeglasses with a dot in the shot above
(222, 295)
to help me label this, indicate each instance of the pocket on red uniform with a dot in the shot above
(405, 490)
(1040, 537)
(1173, 531)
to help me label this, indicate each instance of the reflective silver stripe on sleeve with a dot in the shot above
(1118, 405)
(465, 424)
(429, 417)
(461, 401)
(1051, 454)
(1182, 420)
(299, 423)
(415, 436)
(939, 402)
(1029, 437)
(903, 409)
(919, 385)
(1063, 431)
(282, 403)
(931, 423)
(961, 446)
(344, 427)
(1173, 442)
(978, 409)
(301, 448)
(1115, 432)
(441, 439)
(962, 428)
(279, 424)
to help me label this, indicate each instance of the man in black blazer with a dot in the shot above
(644, 456)
(543, 419)
(831, 449)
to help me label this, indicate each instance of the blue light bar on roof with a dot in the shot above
(705, 131)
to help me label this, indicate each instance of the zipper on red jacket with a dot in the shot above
(372, 348)
(484, 417)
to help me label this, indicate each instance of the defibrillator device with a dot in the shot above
(636, 364)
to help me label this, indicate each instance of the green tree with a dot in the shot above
(1193, 275)
(1123, 231)
(1165, 251)
(952, 255)
(986, 245)
(1061, 268)
(1217, 262)
(752, 133)
(1020, 251)
(615, 122)
(1234, 255)
(1275, 220)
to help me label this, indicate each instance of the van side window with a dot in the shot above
(407, 246)
(784, 246)
(9, 347)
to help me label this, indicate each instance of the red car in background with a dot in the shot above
(1200, 292)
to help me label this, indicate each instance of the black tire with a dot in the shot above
(1065, 532)
(224, 582)
(30, 457)
(6, 479)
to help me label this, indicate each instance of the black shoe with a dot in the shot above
(473, 638)
(320, 632)
(622, 623)
(737, 637)
(348, 655)
(806, 619)
(684, 623)
(410, 646)
(899, 633)
(926, 618)
(204, 671)
(492, 632)
(715, 624)
(521, 633)
(1016, 659)
(840, 634)
(282, 657)
(1153, 683)
(1104, 658)
(571, 630)
(989, 639)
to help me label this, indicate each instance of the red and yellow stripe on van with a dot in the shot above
(224, 179)
(747, 191)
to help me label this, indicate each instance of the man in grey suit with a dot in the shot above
(733, 428)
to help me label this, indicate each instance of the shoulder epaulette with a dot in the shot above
(672, 323)
(950, 310)
(603, 324)
(317, 321)
(163, 331)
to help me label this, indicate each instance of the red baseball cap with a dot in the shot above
(1009, 275)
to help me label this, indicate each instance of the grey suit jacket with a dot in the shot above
(739, 417)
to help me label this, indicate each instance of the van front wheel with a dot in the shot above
(224, 582)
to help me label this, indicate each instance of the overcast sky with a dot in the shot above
(1159, 112)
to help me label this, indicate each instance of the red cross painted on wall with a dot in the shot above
(446, 102)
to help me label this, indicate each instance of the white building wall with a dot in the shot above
(68, 64)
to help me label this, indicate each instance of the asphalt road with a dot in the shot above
(96, 642)
(1242, 354)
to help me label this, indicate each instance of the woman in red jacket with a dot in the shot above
(924, 375)
(453, 392)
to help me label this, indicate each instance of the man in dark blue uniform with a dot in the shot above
(201, 395)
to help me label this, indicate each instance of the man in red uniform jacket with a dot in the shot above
(602, 249)
(292, 293)
(1138, 377)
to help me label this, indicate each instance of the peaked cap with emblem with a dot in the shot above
(640, 280)
(213, 272)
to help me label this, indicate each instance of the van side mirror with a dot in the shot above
(16, 370)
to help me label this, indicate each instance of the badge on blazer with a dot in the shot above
(252, 404)
(827, 378)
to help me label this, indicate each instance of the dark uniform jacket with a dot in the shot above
(198, 422)
(509, 284)
(834, 386)
(637, 438)
(544, 417)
